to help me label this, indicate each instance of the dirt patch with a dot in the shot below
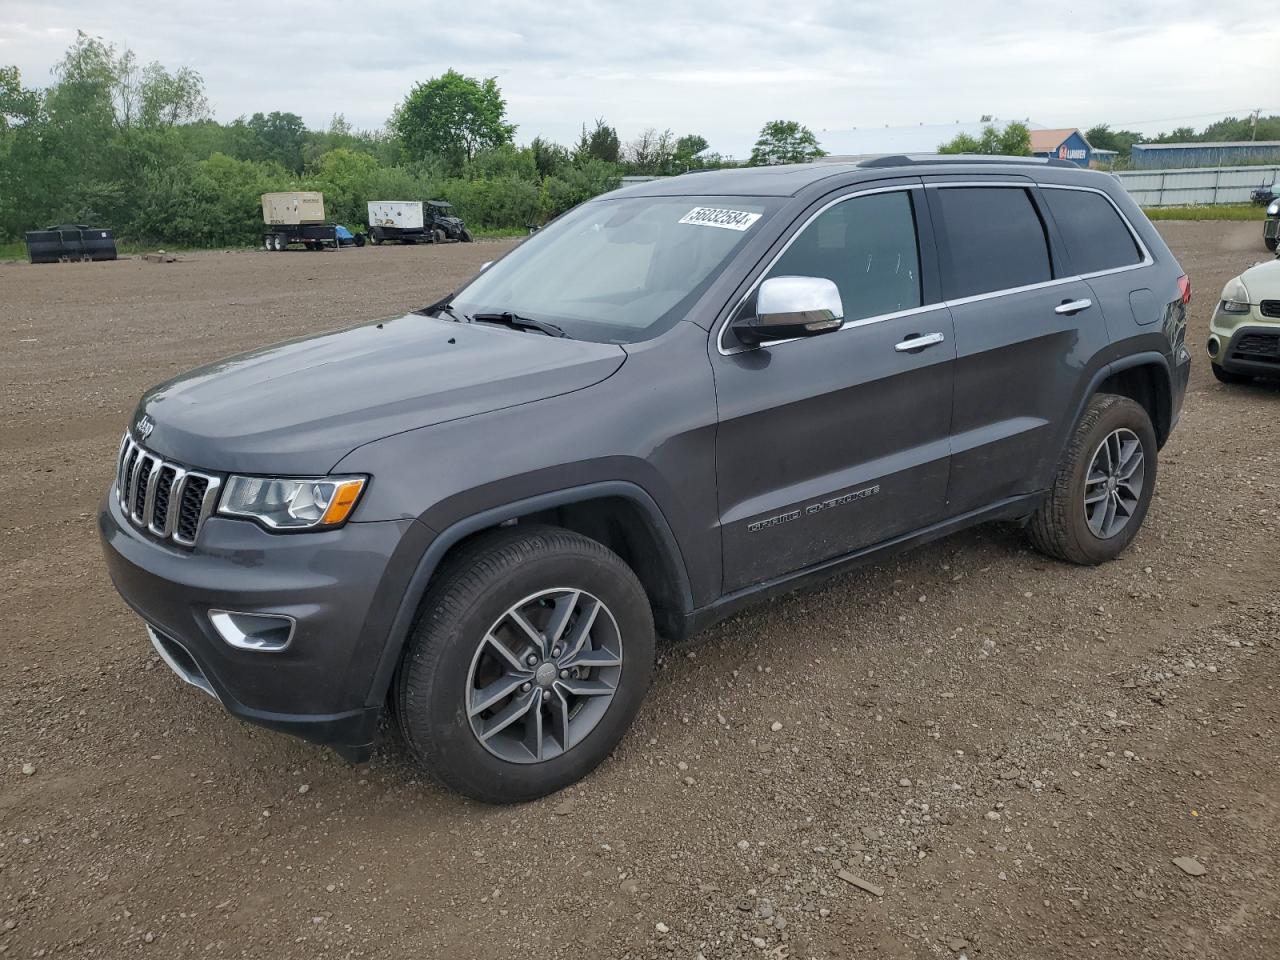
(1015, 750)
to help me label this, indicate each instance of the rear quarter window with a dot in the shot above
(1096, 236)
(993, 239)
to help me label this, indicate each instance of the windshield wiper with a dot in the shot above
(508, 319)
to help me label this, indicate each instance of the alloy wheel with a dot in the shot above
(1113, 485)
(544, 675)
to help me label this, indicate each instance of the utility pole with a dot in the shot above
(1253, 136)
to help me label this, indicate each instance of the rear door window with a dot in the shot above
(865, 245)
(992, 239)
(1096, 237)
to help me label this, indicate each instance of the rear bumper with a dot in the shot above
(342, 588)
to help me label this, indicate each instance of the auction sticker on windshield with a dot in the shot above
(717, 217)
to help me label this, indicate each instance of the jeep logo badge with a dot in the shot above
(145, 426)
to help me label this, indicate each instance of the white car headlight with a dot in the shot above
(1235, 298)
(292, 504)
(1274, 209)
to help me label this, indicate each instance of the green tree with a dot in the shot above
(601, 142)
(167, 99)
(784, 141)
(689, 152)
(506, 160)
(135, 148)
(452, 116)
(343, 176)
(1102, 137)
(18, 105)
(577, 184)
(1246, 128)
(549, 157)
(278, 138)
(1013, 140)
(651, 153)
(1177, 135)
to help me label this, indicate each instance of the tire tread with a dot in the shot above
(1050, 528)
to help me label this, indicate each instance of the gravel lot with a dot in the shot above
(1015, 750)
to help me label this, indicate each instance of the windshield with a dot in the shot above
(618, 270)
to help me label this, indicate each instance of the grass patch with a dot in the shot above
(1224, 211)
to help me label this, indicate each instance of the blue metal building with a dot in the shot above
(1174, 156)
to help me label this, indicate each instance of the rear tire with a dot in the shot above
(1226, 376)
(453, 664)
(1094, 508)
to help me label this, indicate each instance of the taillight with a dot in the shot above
(1184, 288)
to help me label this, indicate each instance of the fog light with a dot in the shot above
(259, 632)
(1212, 346)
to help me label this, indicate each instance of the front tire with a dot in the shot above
(1103, 487)
(530, 658)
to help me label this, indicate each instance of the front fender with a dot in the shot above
(444, 541)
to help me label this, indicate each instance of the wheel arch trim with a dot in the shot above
(444, 541)
(1165, 401)
(1147, 358)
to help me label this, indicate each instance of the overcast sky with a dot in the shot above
(716, 67)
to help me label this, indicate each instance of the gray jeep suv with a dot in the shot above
(674, 400)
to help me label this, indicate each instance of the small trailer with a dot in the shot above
(415, 221)
(298, 217)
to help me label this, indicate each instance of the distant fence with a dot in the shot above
(1198, 185)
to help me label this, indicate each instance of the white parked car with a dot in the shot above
(1244, 334)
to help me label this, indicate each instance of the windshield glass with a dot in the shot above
(618, 270)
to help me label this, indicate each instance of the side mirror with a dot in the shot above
(486, 265)
(789, 307)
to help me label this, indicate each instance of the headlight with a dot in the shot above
(1235, 298)
(292, 504)
(1274, 209)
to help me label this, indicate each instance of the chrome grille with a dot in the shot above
(164, 498)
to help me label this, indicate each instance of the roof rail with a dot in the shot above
(905, 160)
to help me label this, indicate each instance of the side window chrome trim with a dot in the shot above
(864, 321)
(1010, 291)
(1147, 259)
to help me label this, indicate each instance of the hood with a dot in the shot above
(1262, 280)
(299, 407)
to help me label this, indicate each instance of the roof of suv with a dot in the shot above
(787, 180)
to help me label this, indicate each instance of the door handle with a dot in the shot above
(919, 342)
(1068, 307)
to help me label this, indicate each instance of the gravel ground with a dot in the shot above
(1012, 753)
